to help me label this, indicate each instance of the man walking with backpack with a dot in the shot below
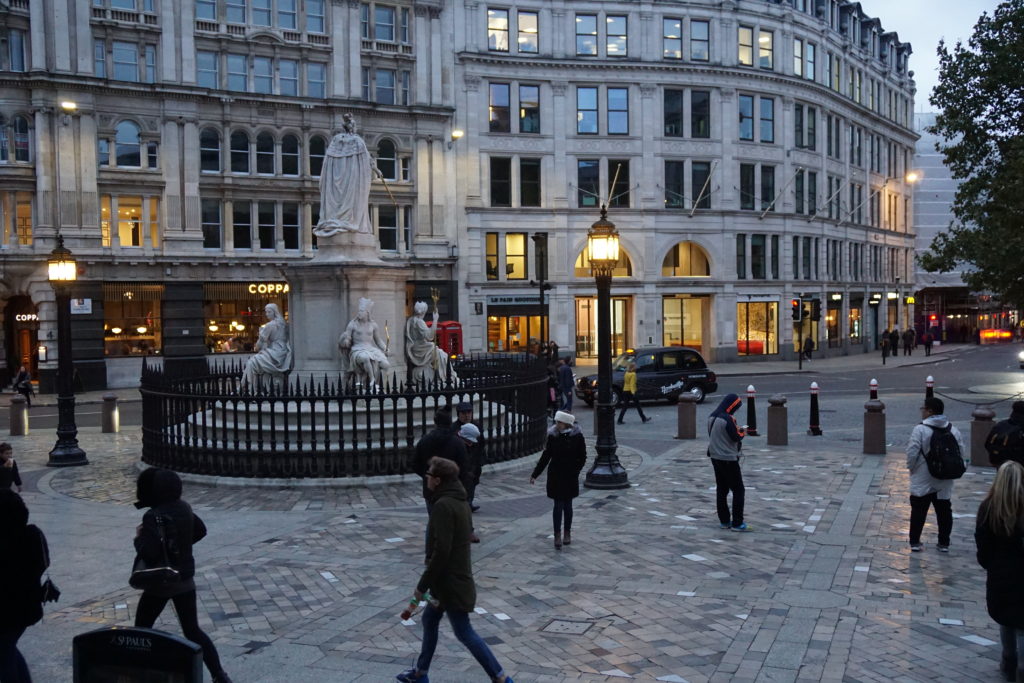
(1006, 440)
(935, 460)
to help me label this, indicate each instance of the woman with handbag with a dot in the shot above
(164, 566)
(23, 546)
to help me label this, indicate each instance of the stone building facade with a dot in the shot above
(750, 152)
(176, 146)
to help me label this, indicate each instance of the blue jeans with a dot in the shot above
(12, 664)
(463, 631)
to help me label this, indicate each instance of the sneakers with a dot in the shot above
(647, 419)
(943, 548)
(474, 508)
(741, 527)
(725, 525)
(473, 538)
(916, 547)
(410, 675)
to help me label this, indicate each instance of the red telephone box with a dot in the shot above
(449, 336)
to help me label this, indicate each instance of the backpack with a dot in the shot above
(1005, 442)
(943, 457)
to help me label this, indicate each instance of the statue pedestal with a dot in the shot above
(324, 296)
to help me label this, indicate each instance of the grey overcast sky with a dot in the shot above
(923, 23)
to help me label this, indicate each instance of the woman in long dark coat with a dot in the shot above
(999, 535)
(23, 547)
(564, 456)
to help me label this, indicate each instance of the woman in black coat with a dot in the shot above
(999, 535)
(564, 455)
(23, 547)
(160, 491)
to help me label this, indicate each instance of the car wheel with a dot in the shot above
(672, 400)
(698, 391)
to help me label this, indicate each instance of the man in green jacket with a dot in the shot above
(449, 574)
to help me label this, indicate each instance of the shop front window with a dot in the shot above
(132, 324)
(683, 321)
(513, 333)
(832, 324)
(234, 311)
(586, 326)
(854, 322)
(757, 328)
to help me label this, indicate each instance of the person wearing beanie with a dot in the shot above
(564, 456)
(168, 531)
(725, 440)
(23, 547)
(469, 433)
(474, 453)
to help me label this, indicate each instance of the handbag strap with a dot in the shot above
(162, 536)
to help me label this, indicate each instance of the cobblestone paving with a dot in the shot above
(305, 584)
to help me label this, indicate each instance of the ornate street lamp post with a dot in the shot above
(603, 253)
(62, 271)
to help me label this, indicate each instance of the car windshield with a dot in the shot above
(622, 362)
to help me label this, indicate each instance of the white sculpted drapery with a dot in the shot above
(427, 361)
(363, 352)
(273, 352)
(345, 185)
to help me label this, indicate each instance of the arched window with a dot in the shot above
(317, 147)
(209, 150)
(127, 148)
(264, 153)
(290, 155)
(239, 152)
(623, 268)
(686, 259)
(386, 161)
(22, 141)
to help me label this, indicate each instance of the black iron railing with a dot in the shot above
(322, 427)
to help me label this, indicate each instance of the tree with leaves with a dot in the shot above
(981, 129)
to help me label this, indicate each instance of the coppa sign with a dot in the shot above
(26, 317)
(268, 287)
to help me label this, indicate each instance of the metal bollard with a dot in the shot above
(19, 416)
(874, 423)
(929, 387)
(778, 421)
(815, 426)
(751, 411)
(981, 425)
(111, 414)
(686, 422)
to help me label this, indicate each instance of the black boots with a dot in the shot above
(1008, 665)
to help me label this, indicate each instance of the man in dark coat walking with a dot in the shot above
(565, 386)
(474, 449)
(449, 574)
(440, 442)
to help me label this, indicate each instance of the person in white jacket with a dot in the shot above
(925, 490)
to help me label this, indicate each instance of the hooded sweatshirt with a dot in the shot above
(922, 482)
(725, 439)
(160, 490)
(449, 572)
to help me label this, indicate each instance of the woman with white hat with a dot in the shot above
(566, 453)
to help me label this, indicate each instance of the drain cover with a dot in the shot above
(572, 628)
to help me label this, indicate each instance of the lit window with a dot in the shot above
(527, 40)
(497, 30)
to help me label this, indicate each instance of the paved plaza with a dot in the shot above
(305, 583)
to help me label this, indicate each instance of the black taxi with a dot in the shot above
(662, 373)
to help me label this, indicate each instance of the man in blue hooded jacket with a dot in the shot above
(725, 439)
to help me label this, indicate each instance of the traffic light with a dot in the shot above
(933, 317)
(815, 309)
(798, 310)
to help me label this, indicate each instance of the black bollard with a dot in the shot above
(929, 387)
(751, 411)
(874, 423)
(815, 428)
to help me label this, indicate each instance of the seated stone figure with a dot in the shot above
(363, 353)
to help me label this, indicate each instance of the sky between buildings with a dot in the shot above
(923, 23)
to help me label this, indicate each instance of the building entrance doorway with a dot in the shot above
(21, 330)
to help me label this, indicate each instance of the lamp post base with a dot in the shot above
(607, 476)
(67, 455)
